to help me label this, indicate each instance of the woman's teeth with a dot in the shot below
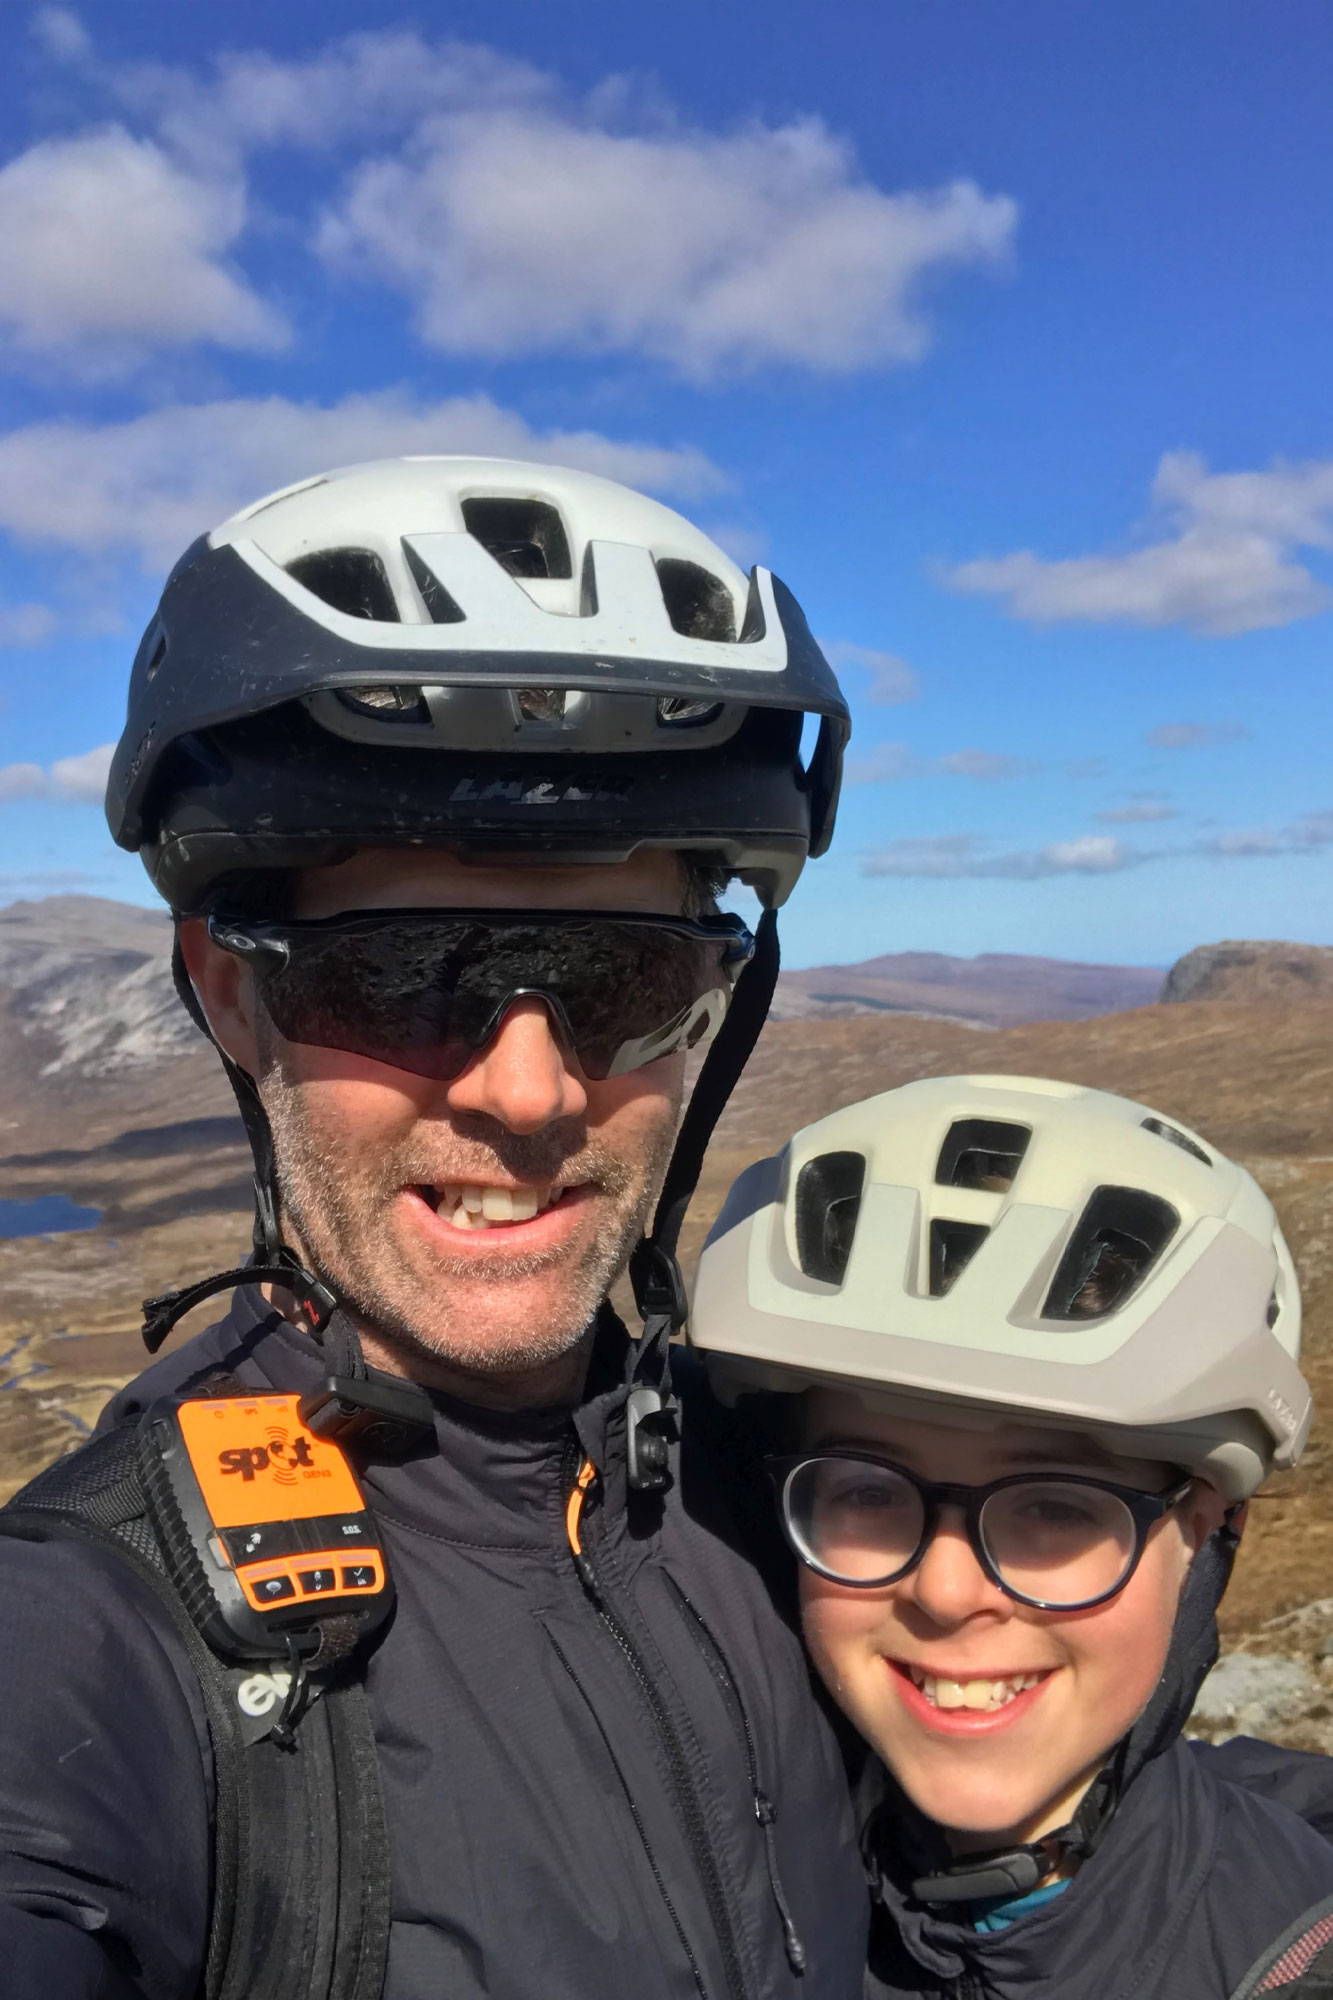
(942, 1693)
(471, 1206)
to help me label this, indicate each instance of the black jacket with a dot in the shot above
(1208, 1858)
(1197, 1875)
(572, 1815)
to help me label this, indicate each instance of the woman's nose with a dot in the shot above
(522, 1077)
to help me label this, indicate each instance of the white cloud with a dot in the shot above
(988, 765)
(61, 34)
(1139, 811)
(1225, 563)
(81, 779)
(964, 856)
(1194, 735)
(885, 764)
(1308, 834)
(23, 781)
(891, 679)
(957, 855)
(745, 545)
(1088, 854)
(108, 250)
(703, 251)
(369, 85)
(889, 762)
(149, 485)
(520, 219)
(26, 624)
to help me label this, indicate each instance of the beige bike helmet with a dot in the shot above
(1012, 1246)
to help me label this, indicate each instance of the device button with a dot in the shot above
(262, 1539)
(271, 1589)
(313, 1581)
(360, 1576)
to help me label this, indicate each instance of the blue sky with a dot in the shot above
(1000, 332)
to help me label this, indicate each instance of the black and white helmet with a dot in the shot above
(473, 653)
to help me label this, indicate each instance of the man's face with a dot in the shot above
(473, 1224)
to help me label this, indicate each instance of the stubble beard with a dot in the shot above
(337, 1209)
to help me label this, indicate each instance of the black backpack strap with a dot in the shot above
(1299, 1964)
(301, 1856)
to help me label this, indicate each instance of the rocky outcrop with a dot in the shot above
(1252, 971)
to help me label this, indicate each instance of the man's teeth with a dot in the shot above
(942, 1693)
(473, 1206)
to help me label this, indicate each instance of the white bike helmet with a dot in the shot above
(479, 654)
(1007, 1246)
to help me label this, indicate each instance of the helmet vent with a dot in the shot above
(828, 1201)
(440, 607)
(953, 1245)
(1118, 1238)
(386, 704)
(677, 711)
(698, 604)
(542, 704)
(982, 1153)
(1175, 1137)
(526, 537)
(158, 654)
(353, 581)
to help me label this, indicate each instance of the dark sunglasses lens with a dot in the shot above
(859, 1521)
(1059, 1544)
(424, 997)
(387, 993)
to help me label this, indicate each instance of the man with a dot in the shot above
(438, 762)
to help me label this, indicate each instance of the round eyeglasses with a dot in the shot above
(1057, 1541)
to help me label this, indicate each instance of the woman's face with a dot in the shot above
(1078, 1678)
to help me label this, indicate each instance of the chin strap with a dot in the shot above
(1014, 1871)
(659, 1289)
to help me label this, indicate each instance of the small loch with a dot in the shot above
(45, 1215)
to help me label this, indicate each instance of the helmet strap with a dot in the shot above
(659, 1289)
(1015, 1871)
(273, 1261)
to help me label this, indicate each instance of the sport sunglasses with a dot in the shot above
(424, 990)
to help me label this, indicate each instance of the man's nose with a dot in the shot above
(948, 1584)
(521, 1077)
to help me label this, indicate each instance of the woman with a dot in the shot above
(1046, 1343)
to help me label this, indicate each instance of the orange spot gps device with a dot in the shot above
(263, 1524)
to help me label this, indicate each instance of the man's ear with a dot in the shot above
(225, 989)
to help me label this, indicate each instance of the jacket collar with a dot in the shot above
(482, 1478)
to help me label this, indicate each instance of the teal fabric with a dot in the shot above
(999, 1916)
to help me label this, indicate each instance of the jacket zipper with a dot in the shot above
(642, 1831)
(765, 1811)
(696, 1833)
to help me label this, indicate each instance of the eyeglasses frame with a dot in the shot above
(1145, 1510)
